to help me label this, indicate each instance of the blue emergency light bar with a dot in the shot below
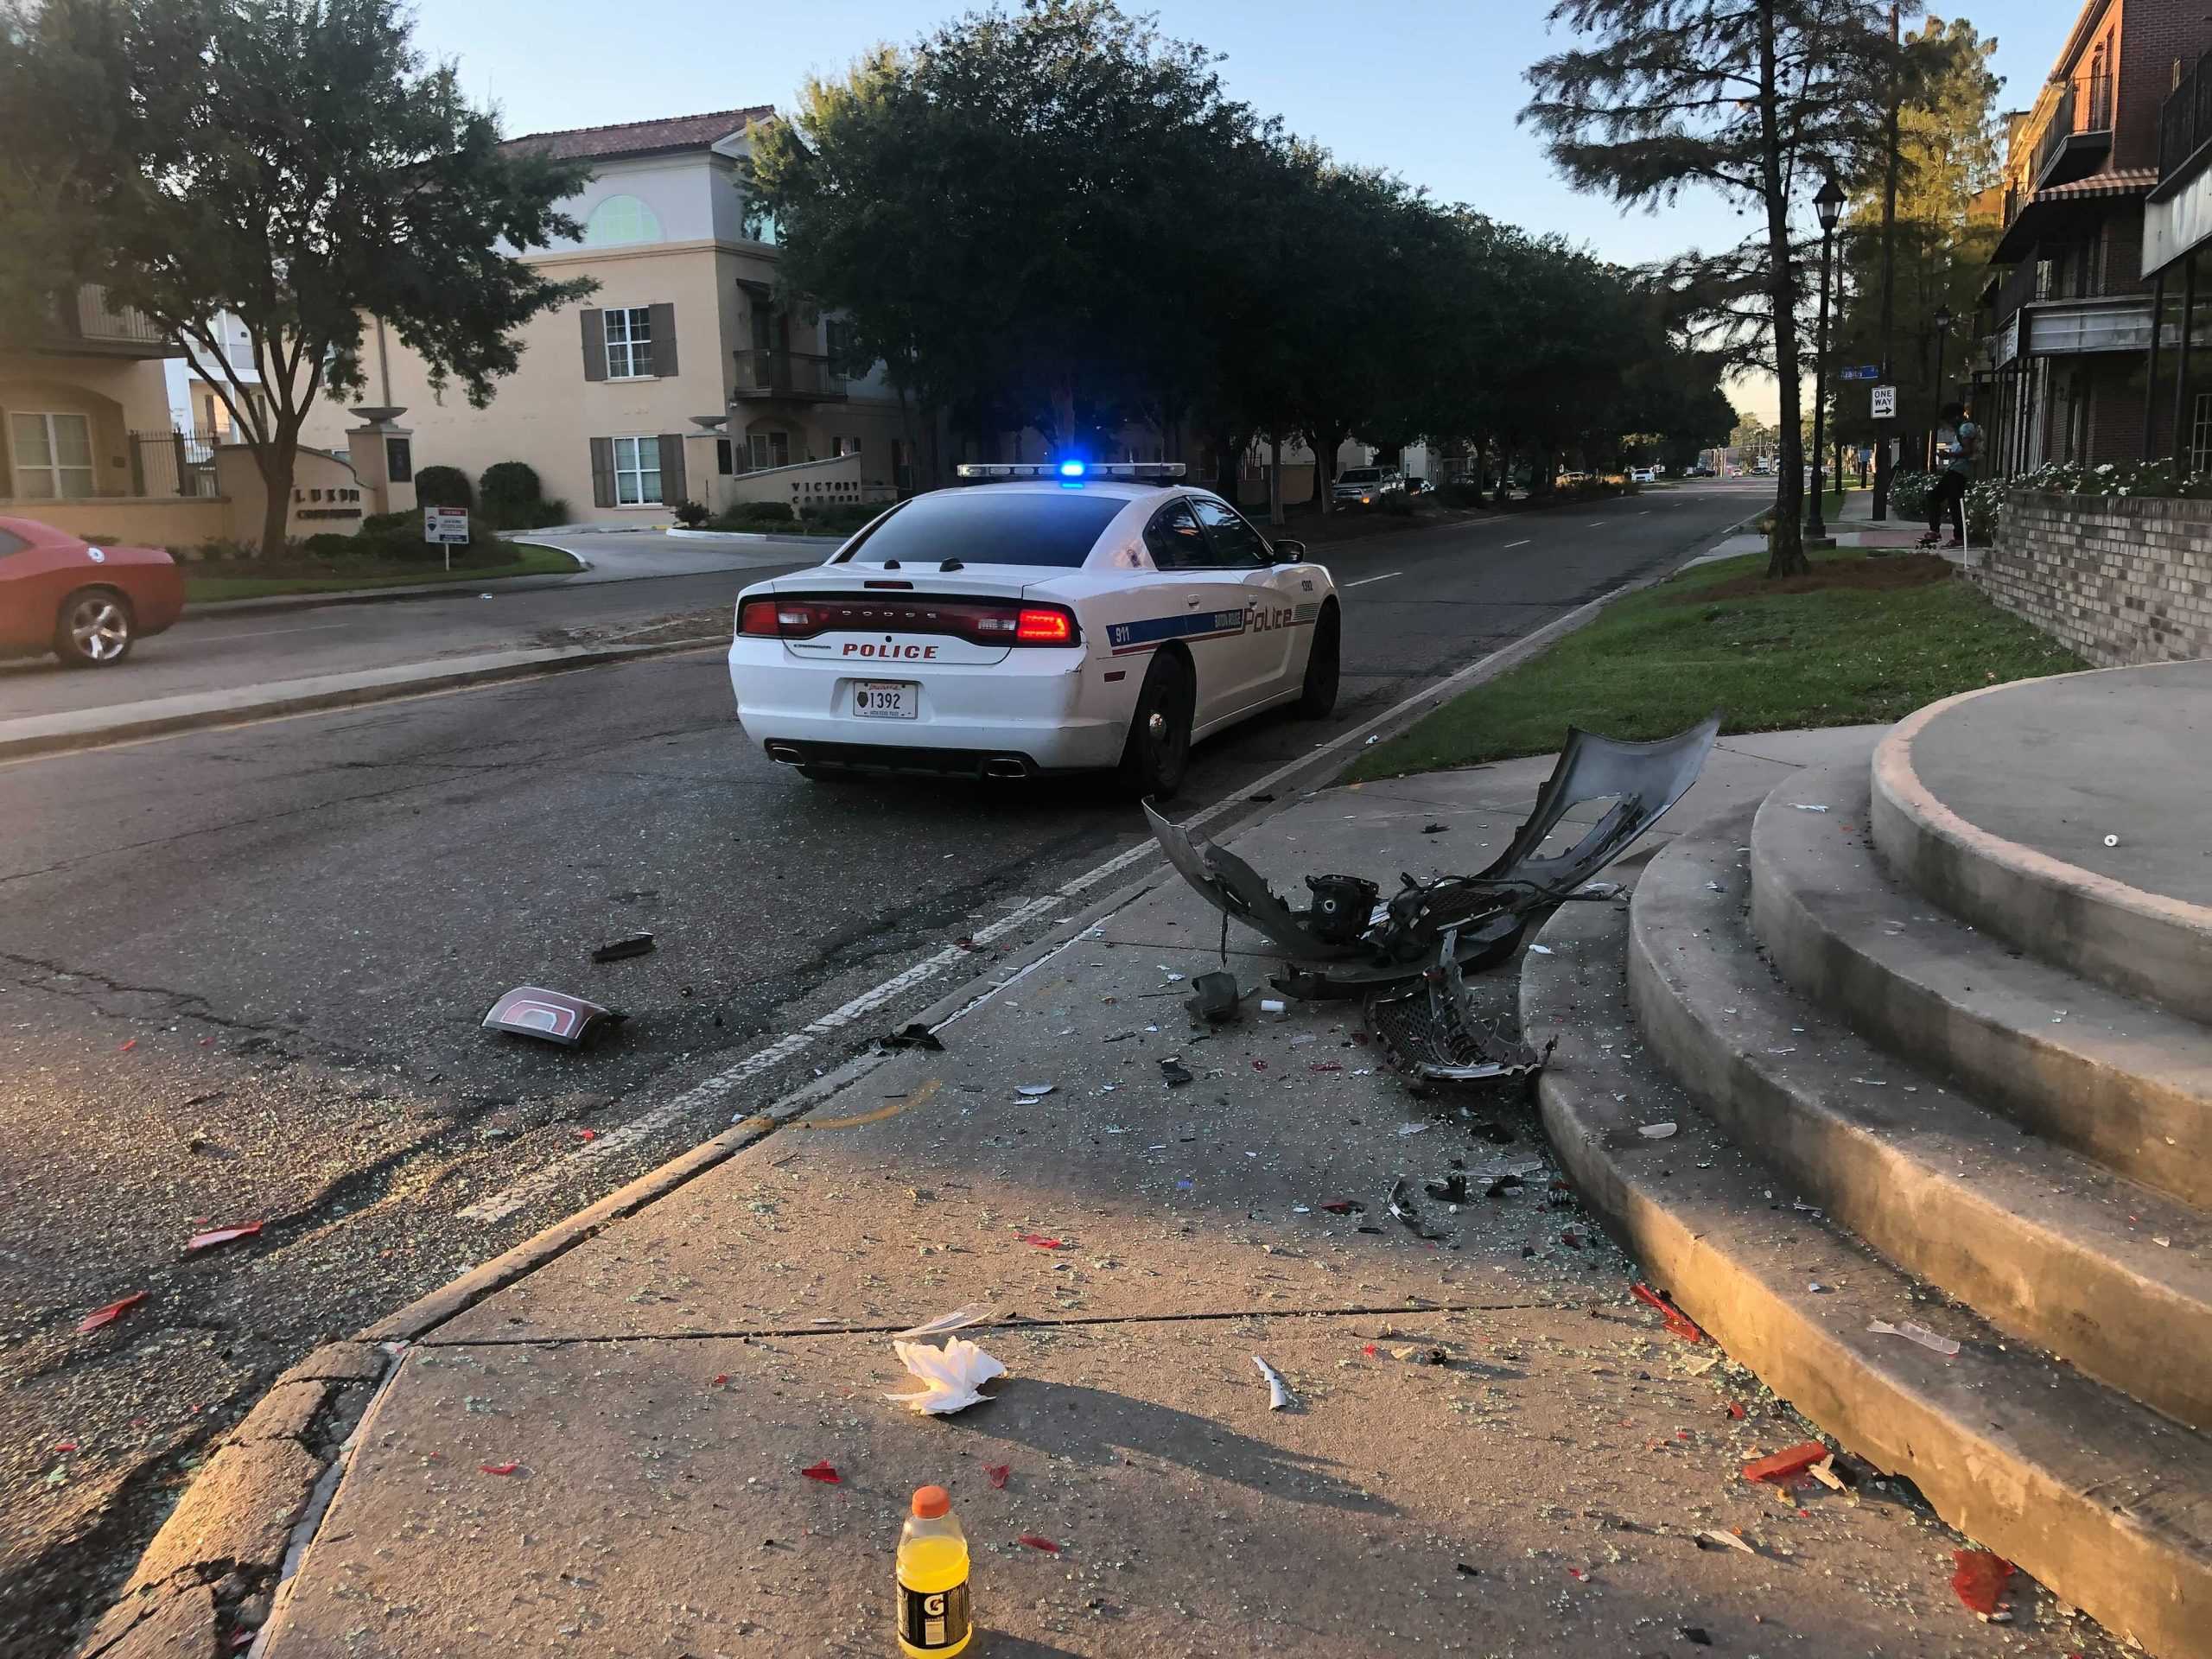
(973, 472)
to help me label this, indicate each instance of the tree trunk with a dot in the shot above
(1274, 479)
(276, 459)
(1786, 556)
(1326, 443)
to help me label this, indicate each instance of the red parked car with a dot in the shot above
(88, 604)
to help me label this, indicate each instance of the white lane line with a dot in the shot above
(1385, 577)
(260, 633)
(1522, 542)
(714, 1091)
(1595, 524)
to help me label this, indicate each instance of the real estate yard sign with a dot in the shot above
(448, 526)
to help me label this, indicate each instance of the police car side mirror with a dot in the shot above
(1288, 552)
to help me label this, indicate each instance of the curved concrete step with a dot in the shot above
(2102, 1498)
(2042, 1242)
(2145, 943)
(2114, 1078)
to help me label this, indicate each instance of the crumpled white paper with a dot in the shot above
(952, 1377)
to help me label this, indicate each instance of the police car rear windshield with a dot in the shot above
(986, 525)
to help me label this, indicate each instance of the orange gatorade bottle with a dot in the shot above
(932, 1577)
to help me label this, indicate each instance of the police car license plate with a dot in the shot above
(886, 699)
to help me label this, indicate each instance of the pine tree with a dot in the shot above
(1759, 99)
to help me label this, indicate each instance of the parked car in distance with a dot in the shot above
(1364, 486)
(86, 602)
(1642, 476)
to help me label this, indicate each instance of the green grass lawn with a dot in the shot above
(332, 575)
(1861, 639)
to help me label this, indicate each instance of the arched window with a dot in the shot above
(619, 219)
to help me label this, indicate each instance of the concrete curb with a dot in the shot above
(142, 1623)
(2143, 944)
(40, 734)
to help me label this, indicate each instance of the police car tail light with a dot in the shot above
(1036, 624)
(757, 617)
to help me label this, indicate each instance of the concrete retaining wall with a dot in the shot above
(2119, 579)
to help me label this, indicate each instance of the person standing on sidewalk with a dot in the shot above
(1956, 440)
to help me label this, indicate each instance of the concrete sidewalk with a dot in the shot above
(1495, 1450)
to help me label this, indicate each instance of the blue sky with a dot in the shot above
(1428, 88)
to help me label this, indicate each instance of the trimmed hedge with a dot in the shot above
(444, 486)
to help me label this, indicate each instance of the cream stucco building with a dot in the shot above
(681, 378)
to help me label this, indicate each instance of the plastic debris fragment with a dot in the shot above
(1655, 1131)
(1040, 1241)
(1679, 1323)
(1824, 1471)
(498, 1468)
(550, 1016)
(1979, 1581)
(1343, 1206)
(996, 1473)
(638, 944)
(2112, 841)
(822, 1471)
(959, 1320)
(1710, 1539)
(111, 1313)
(1035, 1542)
(1173, 1072)
(1781, 1465)
(1696, 1634)
(1919, 1334)
(915, 1035)
(1278, 1395)
(1034, 1090)
(127, 1045)
(223, 1235)
(1806, 806)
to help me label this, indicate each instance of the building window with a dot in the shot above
(636, 472)
(399, 461)
(629, 343)
(725, 461)
(618, 220)
(845, 445)
(770, 449)
(54, 456)
(2200, 433)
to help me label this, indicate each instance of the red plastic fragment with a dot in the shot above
(67, 1446)
(1370, 1350)
(719, 1381)
(1579, 1574)
(1040, 1241)
(587, 1135)
(1340, 1206)
(1783, 1465)
(997, 1473)
(1981, 1579)
(1325, 1065)
(128, 1047)
(498, 1468)
(1736, 1411)
(1045, 1544)
(111, 1313)
(823, 1473)
(1678, 1322)
(224, 1235)
(1572, 1240)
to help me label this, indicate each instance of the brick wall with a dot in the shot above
(2118, 579)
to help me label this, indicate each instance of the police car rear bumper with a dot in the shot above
(1036, 710)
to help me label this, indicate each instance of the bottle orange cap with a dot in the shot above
(930, 1502)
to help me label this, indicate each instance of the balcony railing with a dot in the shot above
(2186, 118)
(2083, 113)
(788, 374)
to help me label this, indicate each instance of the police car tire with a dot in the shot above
(1318, 697)
(1156, 767)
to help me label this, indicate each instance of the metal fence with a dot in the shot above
(174, 463)
(2186, 118)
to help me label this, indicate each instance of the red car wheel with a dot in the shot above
(94, 629)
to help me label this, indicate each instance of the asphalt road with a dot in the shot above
(637, 586)
(242, 973)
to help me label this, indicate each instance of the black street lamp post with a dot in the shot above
(1829, 206)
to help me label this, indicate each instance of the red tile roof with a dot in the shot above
(642, 138)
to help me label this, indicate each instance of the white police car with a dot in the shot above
(1042, 619)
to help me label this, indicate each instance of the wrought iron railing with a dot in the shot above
(174, 463)
(2085, 104)
(764, 374)
(2186, 118)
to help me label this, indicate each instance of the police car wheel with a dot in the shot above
(1318, 697)
(1158, 749)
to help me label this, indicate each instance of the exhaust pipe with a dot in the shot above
(1006, 766)
(785, 755)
